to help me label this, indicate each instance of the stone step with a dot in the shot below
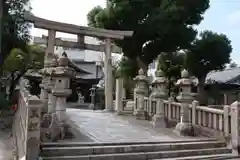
(112, 149)
(145, 155)
(75, 144)
(205, 157)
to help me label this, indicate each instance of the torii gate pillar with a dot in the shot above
(108, 76)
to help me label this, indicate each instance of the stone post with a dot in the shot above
(34, 107)
(141, 87)
(235, 127)
(195, 104)
(51, 83)
(62, 74)
(159, 93)
(108, 77)
(47, 63)
(119, 95)
(93, 99)
(185, 97)
(44, 89)
(135, 101)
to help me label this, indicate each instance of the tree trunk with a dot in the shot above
(201, 92)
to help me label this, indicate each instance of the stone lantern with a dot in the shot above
(185, 97)
(140, 90)
(49, 63)
(160, 93)
(62, 75)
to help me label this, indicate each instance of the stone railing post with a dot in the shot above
(170, 100)
(34, 107)
(159, 93)
(235, 125)
(119, 95)
(194, 111)
(185, 97)
(135, 101)
(141, 87)
(226, 111)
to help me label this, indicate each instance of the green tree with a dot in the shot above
(18, 62)
(171, 64)
(210, 51)
(159, 26)
(15, 32)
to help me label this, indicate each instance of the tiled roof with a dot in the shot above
(225, 76)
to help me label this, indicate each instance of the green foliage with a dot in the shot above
(21, 61)
(171, 64)
(127, 67)
(211, 51)
(15, 29)
(4, 103)
(158, 25)
(92, 16)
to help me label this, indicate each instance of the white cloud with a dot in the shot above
(234, 18)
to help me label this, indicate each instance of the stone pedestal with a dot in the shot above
(140, 113)
(141, 87)
(185, 97)
(158, 119)
(159, 93)
(33, 121)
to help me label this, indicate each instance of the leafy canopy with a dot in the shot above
(171, 64)
(158, 25)
(211, 51)
(19, 61)
(15, 29)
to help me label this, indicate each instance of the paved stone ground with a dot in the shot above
(5, 145)
(109, 127)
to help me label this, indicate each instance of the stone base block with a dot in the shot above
(91, 106)
(134, 112)
(158, 121)
(108, 110)
(120, 113)
(184, 129)
(140, 114)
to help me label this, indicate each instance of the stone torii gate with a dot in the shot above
(80, 31)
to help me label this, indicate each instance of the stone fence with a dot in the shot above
(26, 126)
(210, 121)
(186, 115)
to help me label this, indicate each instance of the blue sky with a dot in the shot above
(222, 17)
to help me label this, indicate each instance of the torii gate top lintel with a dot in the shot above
(75, 29)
